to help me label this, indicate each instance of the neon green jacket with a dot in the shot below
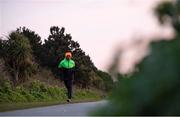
(66, 64)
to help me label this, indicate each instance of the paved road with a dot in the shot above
(76, 109)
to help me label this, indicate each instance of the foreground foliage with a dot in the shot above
(154, 89)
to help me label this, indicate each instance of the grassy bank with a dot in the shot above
(38, 94)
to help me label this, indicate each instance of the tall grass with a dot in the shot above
(37, 91)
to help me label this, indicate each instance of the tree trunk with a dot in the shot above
(16, 74)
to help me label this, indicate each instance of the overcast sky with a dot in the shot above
(98, 25)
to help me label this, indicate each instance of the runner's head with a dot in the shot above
(68, 55)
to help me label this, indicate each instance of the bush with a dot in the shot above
(107, 81)
(37, 91)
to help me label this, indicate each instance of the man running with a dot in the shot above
(67, 65)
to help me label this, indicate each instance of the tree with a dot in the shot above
(54, 48)
(169, 11)
(1, 47)
(85, 70)
(35, 42)
(107, 80)
(18, 57)
(53, 51)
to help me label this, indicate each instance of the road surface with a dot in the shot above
(76, 109)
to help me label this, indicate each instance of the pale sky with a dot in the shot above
(98, 25)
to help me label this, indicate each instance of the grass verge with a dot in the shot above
(38, 94)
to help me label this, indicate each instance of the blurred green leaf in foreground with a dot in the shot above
(155, 88)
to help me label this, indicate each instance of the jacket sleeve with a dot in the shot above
(60, 65)
(74, 68)
(61, 70)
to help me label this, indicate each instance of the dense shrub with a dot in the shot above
(38, 91)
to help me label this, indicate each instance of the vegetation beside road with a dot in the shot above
(37, 94)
